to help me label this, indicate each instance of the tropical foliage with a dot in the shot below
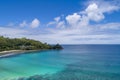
(22, 44)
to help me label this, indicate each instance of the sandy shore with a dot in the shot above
(13, 52)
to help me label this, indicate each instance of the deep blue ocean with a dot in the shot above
(74, 62)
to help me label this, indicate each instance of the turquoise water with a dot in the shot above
(74, 62)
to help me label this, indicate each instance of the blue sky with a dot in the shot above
(45, 10)
(62, 21)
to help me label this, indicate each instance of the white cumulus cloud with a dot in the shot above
(94, 13)
(73, 19)
(35, 23)
(78, 29)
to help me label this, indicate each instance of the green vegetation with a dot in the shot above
(57, 46)
(23, 44)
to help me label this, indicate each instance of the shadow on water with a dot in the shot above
(73, 72)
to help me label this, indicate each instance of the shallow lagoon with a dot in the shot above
(74, 62)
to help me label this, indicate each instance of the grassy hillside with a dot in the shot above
(23, 44)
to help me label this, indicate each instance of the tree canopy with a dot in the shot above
(24, 44)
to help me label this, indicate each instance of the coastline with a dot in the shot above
(8, 53)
